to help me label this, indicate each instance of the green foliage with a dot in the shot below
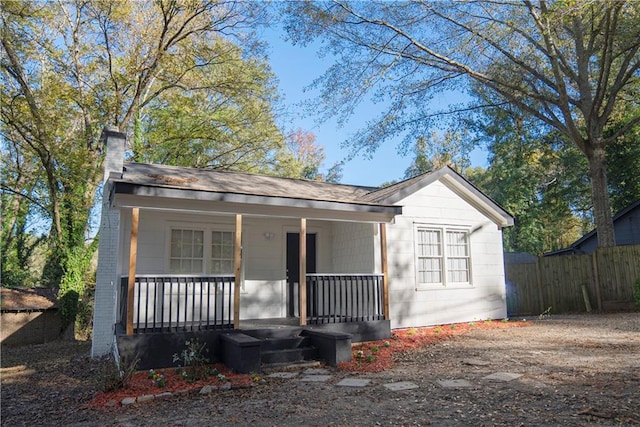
(73, 283)
(192, 360)
(437, 151)
(186, 78)
(536, 176)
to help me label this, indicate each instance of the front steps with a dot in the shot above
(283, 346)
(253, 350)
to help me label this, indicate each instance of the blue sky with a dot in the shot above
(296, 67)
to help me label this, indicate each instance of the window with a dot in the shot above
(222, 252)
(201, 251)
(442, 256)
(187, 251)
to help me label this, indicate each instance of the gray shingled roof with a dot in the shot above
(241, 183)
(235, 187)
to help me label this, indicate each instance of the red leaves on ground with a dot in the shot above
(141, 385)
(377, 356)
(374, 356)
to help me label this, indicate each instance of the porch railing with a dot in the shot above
(178, 303)
(342, 298)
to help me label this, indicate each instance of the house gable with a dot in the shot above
(456, 183)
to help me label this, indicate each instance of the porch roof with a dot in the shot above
(245, 193)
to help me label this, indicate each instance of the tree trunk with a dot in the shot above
(600, 197)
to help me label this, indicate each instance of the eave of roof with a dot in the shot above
(455, 182)
(171, 182)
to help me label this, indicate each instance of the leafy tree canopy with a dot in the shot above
(570, 65)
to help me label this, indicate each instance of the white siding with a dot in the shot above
(484, 298)
(353, 247)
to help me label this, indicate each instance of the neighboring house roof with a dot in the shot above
(574, 248)
(175, 182)
(31, 299)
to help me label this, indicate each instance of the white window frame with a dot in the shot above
(443, 255)
(207, 231)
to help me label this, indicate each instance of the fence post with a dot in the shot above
(596, 278)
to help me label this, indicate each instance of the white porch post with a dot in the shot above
(385, 272)
(237, 264)
(133, 260)
(302, 292)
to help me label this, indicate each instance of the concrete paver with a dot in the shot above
(400, 386)
(502, 376)
(354, 382)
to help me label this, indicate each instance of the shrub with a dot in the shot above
(110, 378)
(194, 362)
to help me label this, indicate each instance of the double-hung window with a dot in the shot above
(442, 256)
(222, 252)
(200, 251)
(187, 251)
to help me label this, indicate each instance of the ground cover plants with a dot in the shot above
(377, 356)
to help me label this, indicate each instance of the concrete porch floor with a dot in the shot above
(271, 323)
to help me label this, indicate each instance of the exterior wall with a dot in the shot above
(483, 298)
(353, 247)
(30, 327)
(264, 287)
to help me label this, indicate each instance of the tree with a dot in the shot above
(69, 68)
(568, 64)
(536, 176)
(623, 164)
(304, 157)
(438, 151)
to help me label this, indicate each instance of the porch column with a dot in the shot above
(302, 292)
(385, 271)
(133, 259)
(237, 262)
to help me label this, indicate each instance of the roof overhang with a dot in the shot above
(463, 188)
(128, 195)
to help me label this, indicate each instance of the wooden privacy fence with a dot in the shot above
(574, 283)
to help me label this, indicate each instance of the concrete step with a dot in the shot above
(279, 332)
(268, 344)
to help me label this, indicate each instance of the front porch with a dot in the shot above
(164, 311)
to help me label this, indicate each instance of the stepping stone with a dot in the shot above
(285, 375)
(476, 362)
(315, 378)
(316, 372)
(404, 385)
(502, 376)
(353, 382)
(454, 383)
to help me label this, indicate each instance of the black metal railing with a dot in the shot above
(342, 298)
(178, 303)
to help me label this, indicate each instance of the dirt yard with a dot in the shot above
(575, 371)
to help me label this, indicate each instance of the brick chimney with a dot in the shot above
(114, 142)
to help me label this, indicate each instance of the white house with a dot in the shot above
(193, 251)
